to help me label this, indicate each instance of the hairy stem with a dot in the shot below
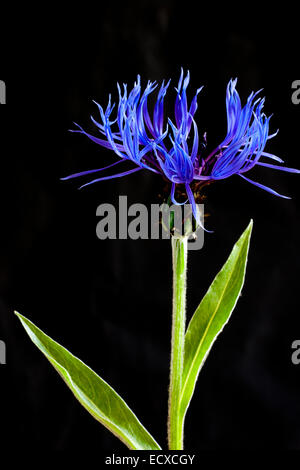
(179, 258)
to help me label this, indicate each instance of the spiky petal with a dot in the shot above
(144, 139)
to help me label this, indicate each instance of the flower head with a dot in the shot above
(166, 148)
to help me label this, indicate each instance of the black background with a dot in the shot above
(109, 301)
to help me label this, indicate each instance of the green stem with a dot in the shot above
(175, 424)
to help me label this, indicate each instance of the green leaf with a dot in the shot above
(212, 315)
(92, 392)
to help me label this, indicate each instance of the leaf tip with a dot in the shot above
(22, 319)
(248, 230)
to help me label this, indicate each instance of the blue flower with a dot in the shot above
(243, 146)
(135, 135)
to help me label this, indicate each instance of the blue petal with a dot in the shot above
(117, 175)
(277, 167)
(173, 198)
(266, 188)
(194, 207)
(88, 172)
